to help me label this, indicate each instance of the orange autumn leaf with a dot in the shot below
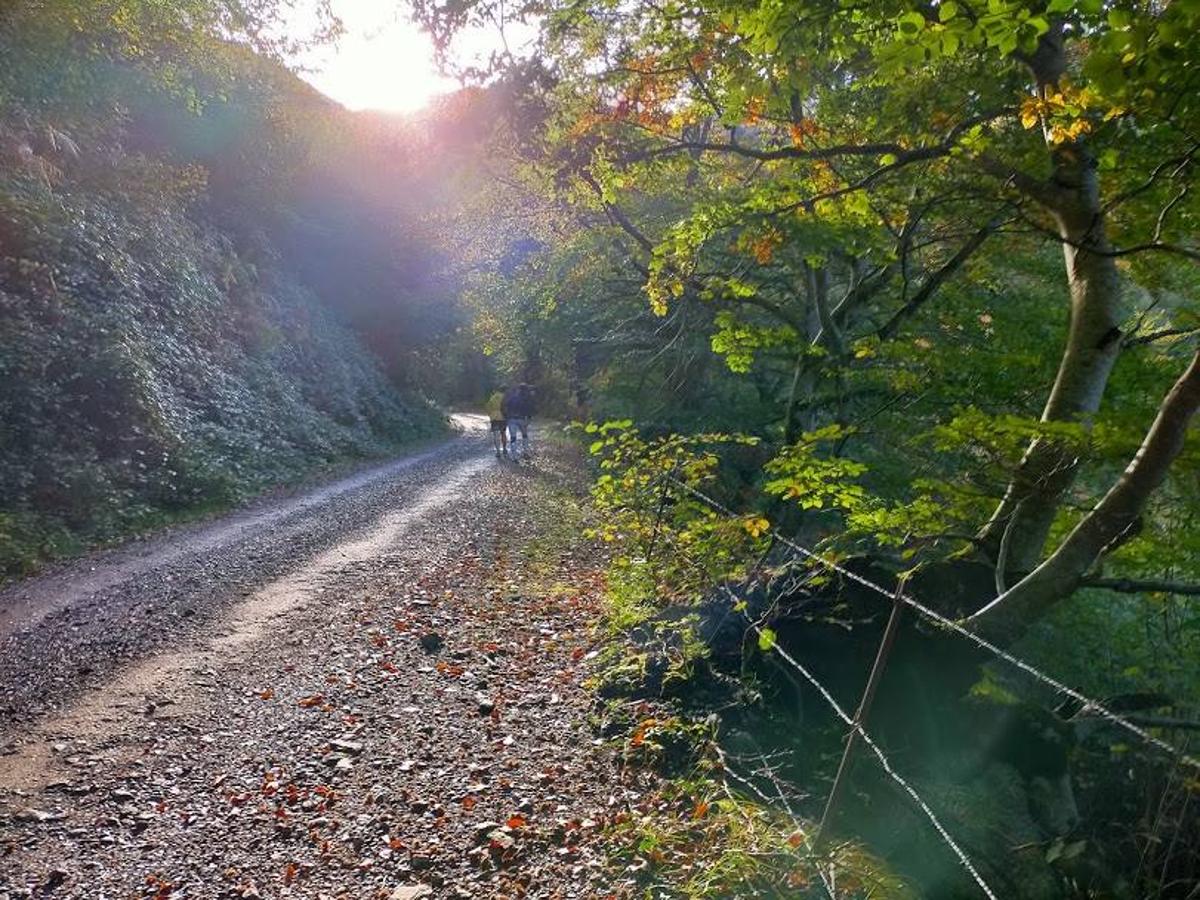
(311, 701)
(267, 694)
(763, 248)
(516, 820)
(639, 734)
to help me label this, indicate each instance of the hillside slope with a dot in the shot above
(160, 354)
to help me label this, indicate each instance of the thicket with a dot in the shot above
(189, 239)
(915, 286)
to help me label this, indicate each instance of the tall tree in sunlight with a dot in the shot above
(834, 168)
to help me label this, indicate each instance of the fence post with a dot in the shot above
(860, 715)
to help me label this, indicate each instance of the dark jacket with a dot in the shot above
(518, 402)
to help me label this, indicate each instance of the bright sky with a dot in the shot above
(383, 61)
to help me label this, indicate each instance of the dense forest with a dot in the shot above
(846, 301)
(911, 287)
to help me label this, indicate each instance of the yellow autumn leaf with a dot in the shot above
(756, 526)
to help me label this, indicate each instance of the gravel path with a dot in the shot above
(373, 694)
(68, 629)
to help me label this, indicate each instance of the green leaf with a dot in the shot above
(1073, 849)
(911, 22)
(766, 639)
(1119, 18)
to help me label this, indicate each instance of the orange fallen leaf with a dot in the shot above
(516, 820)
(268, 694)
(311, 701)
(639, 734)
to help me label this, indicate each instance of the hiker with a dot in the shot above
(518, 410)
(495, 414)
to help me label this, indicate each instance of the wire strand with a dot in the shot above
(962, 857)
(1088, 703)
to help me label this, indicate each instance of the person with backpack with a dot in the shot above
(499, 425)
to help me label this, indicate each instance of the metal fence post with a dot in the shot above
(860, 715)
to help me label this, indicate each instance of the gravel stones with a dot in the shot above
(339, 756)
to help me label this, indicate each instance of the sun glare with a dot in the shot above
(383, 61)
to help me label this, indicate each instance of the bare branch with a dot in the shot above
(1143, 585)
(1159, 335)
(935, 280)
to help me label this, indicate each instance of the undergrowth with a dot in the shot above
(702, 833)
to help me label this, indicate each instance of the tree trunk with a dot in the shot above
(1006, 618)
(804, 375)
(1048, 469)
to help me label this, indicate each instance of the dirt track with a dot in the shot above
(64, 631)
(372, 689)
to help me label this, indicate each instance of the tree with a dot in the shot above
(869, 153)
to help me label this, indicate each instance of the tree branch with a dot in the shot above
(1008, 616)
(934, 281)
(1159, 335)
(1143, 585)
(1044, 193)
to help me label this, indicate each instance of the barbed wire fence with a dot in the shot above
(899, 599)
(1088, 704)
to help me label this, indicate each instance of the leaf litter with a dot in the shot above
(422, 732)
